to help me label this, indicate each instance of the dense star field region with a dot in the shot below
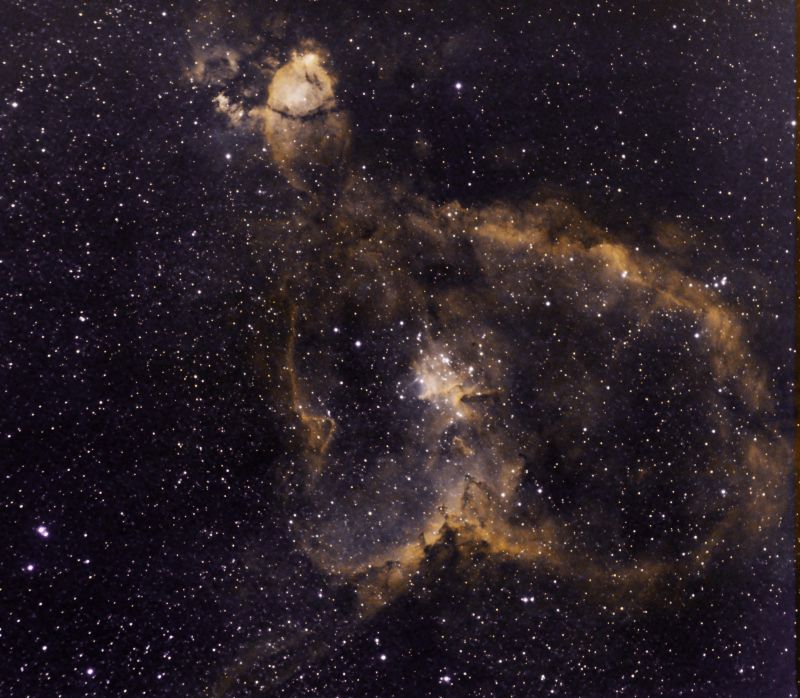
(398, 349)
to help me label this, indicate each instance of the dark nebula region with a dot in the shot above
(386, 349)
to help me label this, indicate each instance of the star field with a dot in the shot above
(391, 349)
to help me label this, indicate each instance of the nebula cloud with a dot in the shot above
(459, 383)
(473, 391)
(306, 131)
